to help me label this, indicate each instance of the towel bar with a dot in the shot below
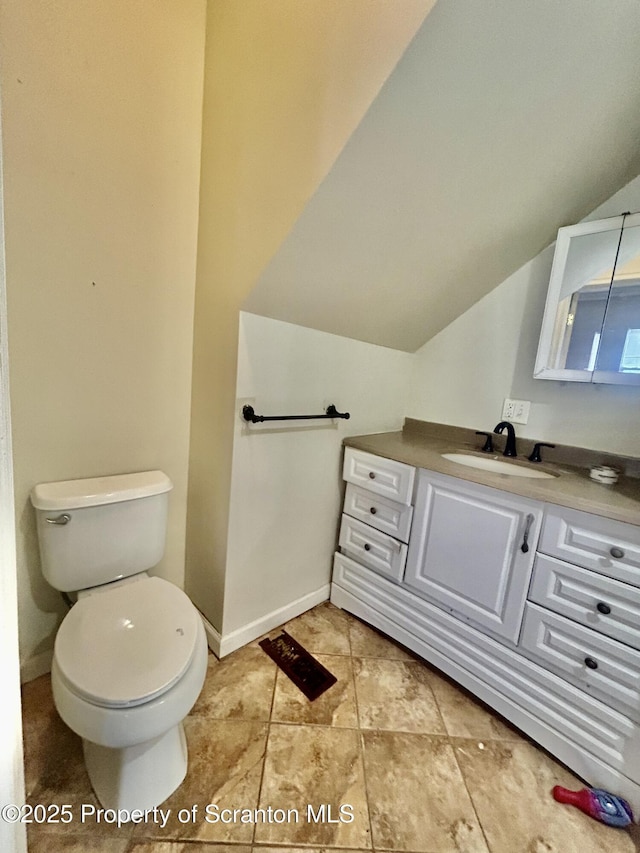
(249, 414)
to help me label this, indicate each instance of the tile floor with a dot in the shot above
(424, 767)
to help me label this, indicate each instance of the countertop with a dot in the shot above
(422, 445)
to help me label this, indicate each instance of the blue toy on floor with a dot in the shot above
(598, 804)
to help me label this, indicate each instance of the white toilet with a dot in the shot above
(131, 655)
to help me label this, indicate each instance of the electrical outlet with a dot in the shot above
(508, 410)
(516, 411)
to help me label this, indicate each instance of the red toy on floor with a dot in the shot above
(598, 804)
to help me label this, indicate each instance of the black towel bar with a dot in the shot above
(249, 414)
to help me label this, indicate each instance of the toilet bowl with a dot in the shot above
(129, 663)
(130, 657)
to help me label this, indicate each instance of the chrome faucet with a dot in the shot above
(510, 446)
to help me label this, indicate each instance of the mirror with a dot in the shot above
(591, 326)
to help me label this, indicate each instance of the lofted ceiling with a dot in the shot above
(504, 120)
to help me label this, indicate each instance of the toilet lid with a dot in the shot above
(128, 644)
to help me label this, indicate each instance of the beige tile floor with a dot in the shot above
(423, 766)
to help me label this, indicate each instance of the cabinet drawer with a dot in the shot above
(608, 547)
(386, 477)
(373, 548)
(385, 515)
(605, 605)
(570, 650)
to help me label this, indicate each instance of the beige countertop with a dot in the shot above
(422, 447)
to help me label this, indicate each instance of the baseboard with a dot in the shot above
(228, 643)
(214, 640)
(36, 666)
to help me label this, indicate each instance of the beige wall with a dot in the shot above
(286, 83)
(102, 121)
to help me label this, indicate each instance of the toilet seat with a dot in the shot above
(128, 644)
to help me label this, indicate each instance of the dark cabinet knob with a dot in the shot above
(373, 510)
(601, 607)
(616, 553)
(372, 476)
(367, 547)
(591, 663)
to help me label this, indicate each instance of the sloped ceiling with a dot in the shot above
(504, 120)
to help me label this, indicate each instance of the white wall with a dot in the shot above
(462, 375)
(102, 113)
(495, 128)
(285, 495)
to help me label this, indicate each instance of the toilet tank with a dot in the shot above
(101, 529)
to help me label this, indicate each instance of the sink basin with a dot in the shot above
(496, 466)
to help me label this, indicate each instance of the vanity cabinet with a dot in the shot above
(472, 551)
(533, 607)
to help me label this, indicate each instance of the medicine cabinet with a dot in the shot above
(591, 326)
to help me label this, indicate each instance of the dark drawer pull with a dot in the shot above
(601, 607)
(525, 539)
(372, 476)
(591, 663)
(367, 547)
(617, 553)
(373, 510)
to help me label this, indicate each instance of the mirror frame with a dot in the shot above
(550, 319)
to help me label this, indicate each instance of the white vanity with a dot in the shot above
(531, 605)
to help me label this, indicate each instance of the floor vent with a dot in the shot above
(295, 661)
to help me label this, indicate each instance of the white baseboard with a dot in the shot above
(222, 645)
(36, 666)
(214, 640)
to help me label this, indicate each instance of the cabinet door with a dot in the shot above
(466, 550)
(583, 264)
(618, 360)
(591, 326)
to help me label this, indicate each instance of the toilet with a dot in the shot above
(130, 657)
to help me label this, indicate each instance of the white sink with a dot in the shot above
(496, 466)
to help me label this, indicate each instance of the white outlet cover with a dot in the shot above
(516, 411)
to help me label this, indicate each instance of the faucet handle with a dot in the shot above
(488, 445)
(535, 453)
